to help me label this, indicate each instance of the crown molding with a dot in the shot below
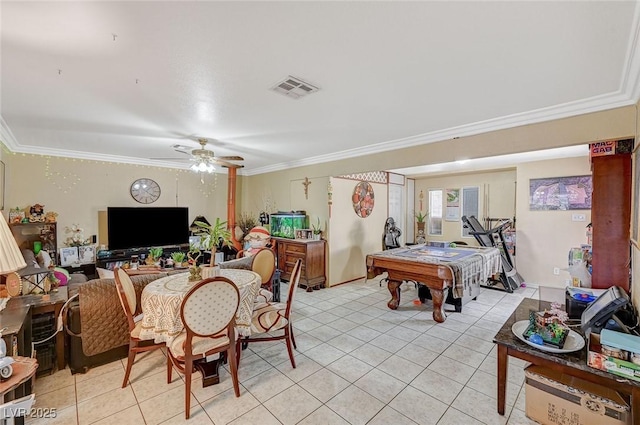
(7, 137)
(631, 78)
(585, 106)
(88, 156)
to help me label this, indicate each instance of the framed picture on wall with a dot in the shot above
(560, 193)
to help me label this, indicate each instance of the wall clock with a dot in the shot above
(145, 191)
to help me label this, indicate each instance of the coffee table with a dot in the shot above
(573, 364)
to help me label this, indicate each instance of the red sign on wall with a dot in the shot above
(602, 148)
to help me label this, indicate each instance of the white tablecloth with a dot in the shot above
(161, 300)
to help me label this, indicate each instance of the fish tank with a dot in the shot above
(285, 223)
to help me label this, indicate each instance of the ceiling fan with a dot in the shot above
(204, 159)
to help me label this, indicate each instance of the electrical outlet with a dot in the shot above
(556, 270)
(578, 217)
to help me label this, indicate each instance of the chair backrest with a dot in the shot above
(126, 294)
(264, 263)
(293, 284)
(210, 306)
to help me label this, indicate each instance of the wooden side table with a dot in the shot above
(24, 369)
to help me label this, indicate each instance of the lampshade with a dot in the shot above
(10, 256)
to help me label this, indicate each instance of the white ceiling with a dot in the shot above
(123, 81)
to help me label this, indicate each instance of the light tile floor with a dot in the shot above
(357, 363)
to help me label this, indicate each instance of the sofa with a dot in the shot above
(95, 323)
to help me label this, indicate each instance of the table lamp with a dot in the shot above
(11, 258)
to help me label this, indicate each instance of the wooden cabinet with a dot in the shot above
(311, 252)
(610, 216)
(28, 233)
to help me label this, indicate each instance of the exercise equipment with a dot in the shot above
(509, 278)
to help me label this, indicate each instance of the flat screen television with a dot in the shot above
(144, 227)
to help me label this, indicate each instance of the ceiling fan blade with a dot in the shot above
(229, 158)
(227, 164)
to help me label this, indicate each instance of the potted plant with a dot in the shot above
(317, 230)
(178, 258)
(212, 235)
(154, 256)
(420, 219)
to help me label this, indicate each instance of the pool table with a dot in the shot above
(440, 269)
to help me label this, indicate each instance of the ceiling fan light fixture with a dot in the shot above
(203, 167)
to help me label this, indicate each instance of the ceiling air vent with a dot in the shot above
(294, 87)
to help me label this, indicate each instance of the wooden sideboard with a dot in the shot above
(311, 252)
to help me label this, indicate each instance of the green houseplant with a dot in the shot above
(317, 229)
(213, 234)
(178, 258)
(154, 256)
(420, 219)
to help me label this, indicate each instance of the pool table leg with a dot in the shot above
(394, 289)
(438, 296)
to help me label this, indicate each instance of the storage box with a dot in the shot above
(612, 359)
(559, 399)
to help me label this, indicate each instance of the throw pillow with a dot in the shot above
(104, 273)
(44, 259)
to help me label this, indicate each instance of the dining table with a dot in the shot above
(162, 298)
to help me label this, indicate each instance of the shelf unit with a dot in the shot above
(28, 233)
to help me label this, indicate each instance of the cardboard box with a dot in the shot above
(553, 398)
(605, 360)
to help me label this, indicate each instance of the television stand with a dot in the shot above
(118, 257)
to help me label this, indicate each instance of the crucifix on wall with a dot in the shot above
(306, 184)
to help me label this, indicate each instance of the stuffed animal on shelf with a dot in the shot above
(36, 213)
(257, 238)
(50, 217)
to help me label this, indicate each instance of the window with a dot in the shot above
(469, 206)
(435, 212)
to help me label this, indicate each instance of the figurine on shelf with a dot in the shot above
(50, 217)
(16, 215)
(36, 213)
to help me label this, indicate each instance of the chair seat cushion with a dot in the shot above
(200, 345)
(268, 317)
(135, 333)
(264, 296)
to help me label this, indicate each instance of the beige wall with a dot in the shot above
(353, 237)
(496, 188)
(107, 184)
(537, 266)
(545, 237)
(77, 190)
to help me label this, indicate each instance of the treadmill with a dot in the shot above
(509, 279)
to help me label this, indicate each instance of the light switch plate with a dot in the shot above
(578, 217)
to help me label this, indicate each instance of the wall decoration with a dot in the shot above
(560, 193)
(371, 176)
(452, 210)
(363, 199)
(306, 184)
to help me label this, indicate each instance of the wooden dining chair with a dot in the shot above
(128, 300)
(208, 312)
(272, 317)
(264, 263)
